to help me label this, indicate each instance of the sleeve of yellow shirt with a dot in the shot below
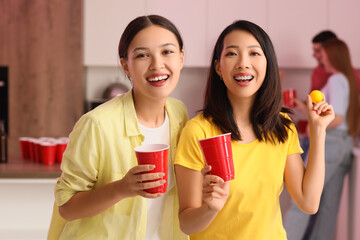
(294, 143)
(188, 153)
(80, 160)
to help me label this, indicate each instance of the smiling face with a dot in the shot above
(317, 52)
(154, 62)
(242, 65)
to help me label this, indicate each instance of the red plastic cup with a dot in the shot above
(32, 148)
(217, 153)
(155, 154)
(24, 147)
(289, 95)
(37, 150)
(60, 148)
(302, 125)
(48, 153)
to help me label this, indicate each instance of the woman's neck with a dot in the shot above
(150, 113)
(241, 110)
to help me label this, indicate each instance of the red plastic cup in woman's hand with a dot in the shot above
(217, 153)
(154, 154)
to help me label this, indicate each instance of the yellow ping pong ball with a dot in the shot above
(316, 96)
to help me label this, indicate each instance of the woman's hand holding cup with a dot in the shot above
(215, 190)
(138, 179)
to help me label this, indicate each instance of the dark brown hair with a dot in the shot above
(339, 58)
(139, 24)
(268, 123)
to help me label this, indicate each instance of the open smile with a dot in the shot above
(157, 78)
(243, 79)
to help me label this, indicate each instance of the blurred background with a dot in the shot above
(58, 58)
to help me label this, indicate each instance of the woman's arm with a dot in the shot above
(305, 185)
(201, 197)
(92, 202)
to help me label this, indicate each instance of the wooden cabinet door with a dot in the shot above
(43, 51)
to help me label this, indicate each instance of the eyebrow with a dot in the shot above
(161, 46)
(235, 46)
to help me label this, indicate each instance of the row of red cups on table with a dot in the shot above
(43, 150)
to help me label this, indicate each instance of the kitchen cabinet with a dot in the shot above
(343, 19)
(26, 208)
(26, 199)
(223, 13)
(41, 44)
(104, 22)
(191, 19)
(291, 28)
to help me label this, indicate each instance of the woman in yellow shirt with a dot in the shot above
(101, 193)
(244, 97)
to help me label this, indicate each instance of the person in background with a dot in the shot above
(320, 76)
(244, 97)
(101, 193)
(340, 91)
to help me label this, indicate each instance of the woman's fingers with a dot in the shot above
(206, 170)
(152, 184)
(148, 176)
(141, 168)
(211, 179)
(138, 179)
(215, 189)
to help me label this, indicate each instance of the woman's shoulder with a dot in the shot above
(203, 124)
(177, 108)
(337, 79)
(112, 107)
(175, 103)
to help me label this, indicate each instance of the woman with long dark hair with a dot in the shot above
(244, 97)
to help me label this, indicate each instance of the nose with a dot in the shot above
(157, 62)
(243, 62)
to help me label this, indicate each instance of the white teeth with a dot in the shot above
(159, 78)
(243, 78)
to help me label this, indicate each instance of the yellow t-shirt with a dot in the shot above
(252, 210)
(99, 152)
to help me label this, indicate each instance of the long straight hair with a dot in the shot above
(339, 58)
(268, 123)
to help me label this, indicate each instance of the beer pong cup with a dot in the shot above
(32, 148)
(154, 154)
(37, 150)
(302, 125)
(289, 95)
(48, 153)
(217, 153)
(60, 148)
(24, 147)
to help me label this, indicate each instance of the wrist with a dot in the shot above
(317, 131)
(119, 190)
(210, 210)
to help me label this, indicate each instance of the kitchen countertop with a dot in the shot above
(18, 168)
